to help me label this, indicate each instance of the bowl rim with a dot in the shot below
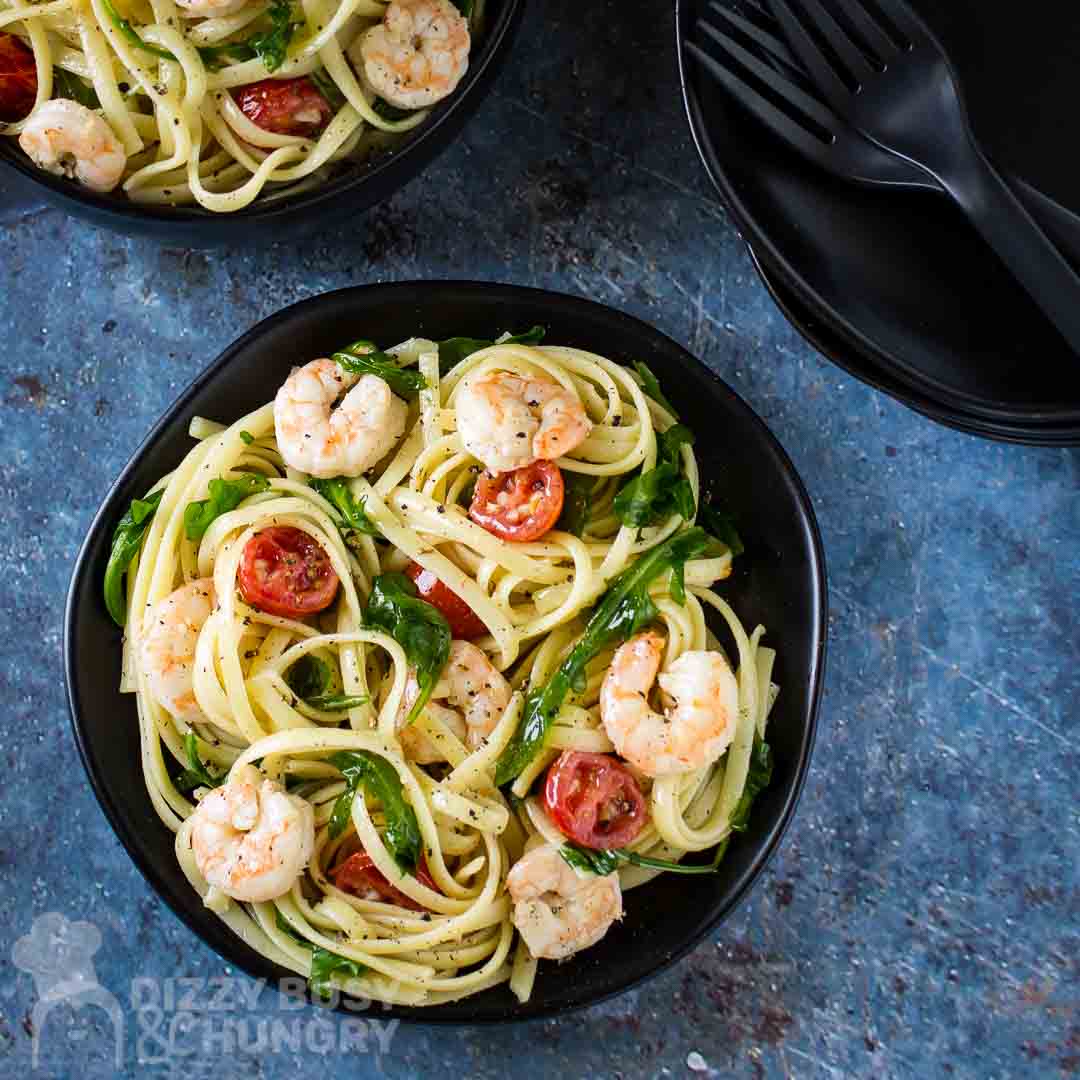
(104, 518)
(496, 40)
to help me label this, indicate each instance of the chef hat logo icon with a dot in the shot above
(59, 954)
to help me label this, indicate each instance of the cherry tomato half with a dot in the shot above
(286, 572)
(284, 106)
(18, 78)
(520, 505)
(594, 800)
(464, 623)
(359, 876)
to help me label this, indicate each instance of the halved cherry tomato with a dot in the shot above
(359, 876)
(18, 78)
(520, 505)
(594, 799)
(286, 572)
(284, 106)
(463, 621)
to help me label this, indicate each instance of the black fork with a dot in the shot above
(883, 72)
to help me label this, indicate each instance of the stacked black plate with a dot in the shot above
(896, 287)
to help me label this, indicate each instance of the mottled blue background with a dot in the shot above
(921, 919)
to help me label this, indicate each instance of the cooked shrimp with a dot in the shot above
(417, 54)
(693, 731)
(317, 438)
(477, 695)
(557, 911)
(508, 421)
(66, 138)
(167, 648)
(251, 839)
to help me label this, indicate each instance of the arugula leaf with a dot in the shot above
(652, 496)
(73, 88)
(651, 385)
(383, 108)
(286, 928)
(329, 89)
(271, 45)
(604, 862)
(418, 627)
(363, 358)
(453, 350)
(196, 774)
(338, 493)
(324, 965)
(223, 496)
(626, 607)
(130, 34)
(757, 779)
(577, 487)
(722, 526)
(380, 779)
(126, 541)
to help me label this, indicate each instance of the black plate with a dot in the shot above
(780, 582)
(829, 343)
(901, 277)
(358, 188)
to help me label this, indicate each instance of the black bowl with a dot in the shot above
(357, 188)
(780, 582)
(902, 281)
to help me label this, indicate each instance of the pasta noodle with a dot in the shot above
(446, 927)
(217, 103)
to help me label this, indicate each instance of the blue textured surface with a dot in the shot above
(923, 916)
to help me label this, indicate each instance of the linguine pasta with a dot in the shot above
(457, 936)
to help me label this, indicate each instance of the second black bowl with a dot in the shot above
(358, 187)
(779, 582)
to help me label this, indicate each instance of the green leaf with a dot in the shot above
(722, 526)
(624, 609)
(223, 496)
(131, 36)
(381, 781)
(453, 350)
(362, 358)
(73, 88)
(329, 89)
(286, 928)
(217, 56)
(126, 541)
(758, 778)
(310, 676)
(247, 438)
(650, 497)
(196, 774)
(339, 494)
(651, 386)
(325, 965)
(337, 702)
(271, 45)
(604, 862)
(418, 627)
(383, 108)
(578, 488)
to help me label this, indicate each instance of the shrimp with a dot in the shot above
(68, 139)
(693, 732)
(557, 911)
(509, 421)
(477, 693)
(167, 648)
(318, 439)
(251, 839)
(417, 54)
